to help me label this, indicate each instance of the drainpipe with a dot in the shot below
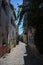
(0, 11)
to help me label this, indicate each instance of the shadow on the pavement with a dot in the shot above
(31, 59)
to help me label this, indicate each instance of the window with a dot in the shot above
(3, 42)
(11, 20)
(12, 33)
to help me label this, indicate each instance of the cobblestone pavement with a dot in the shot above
(21, 55)
(15, 57)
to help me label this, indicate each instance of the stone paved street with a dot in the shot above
(15, 57)
(21, 55)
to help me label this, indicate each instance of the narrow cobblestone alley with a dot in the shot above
(21, 55)
(15, 57)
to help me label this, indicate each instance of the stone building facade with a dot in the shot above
(7, 25)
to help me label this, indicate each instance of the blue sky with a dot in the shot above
(15, 4)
